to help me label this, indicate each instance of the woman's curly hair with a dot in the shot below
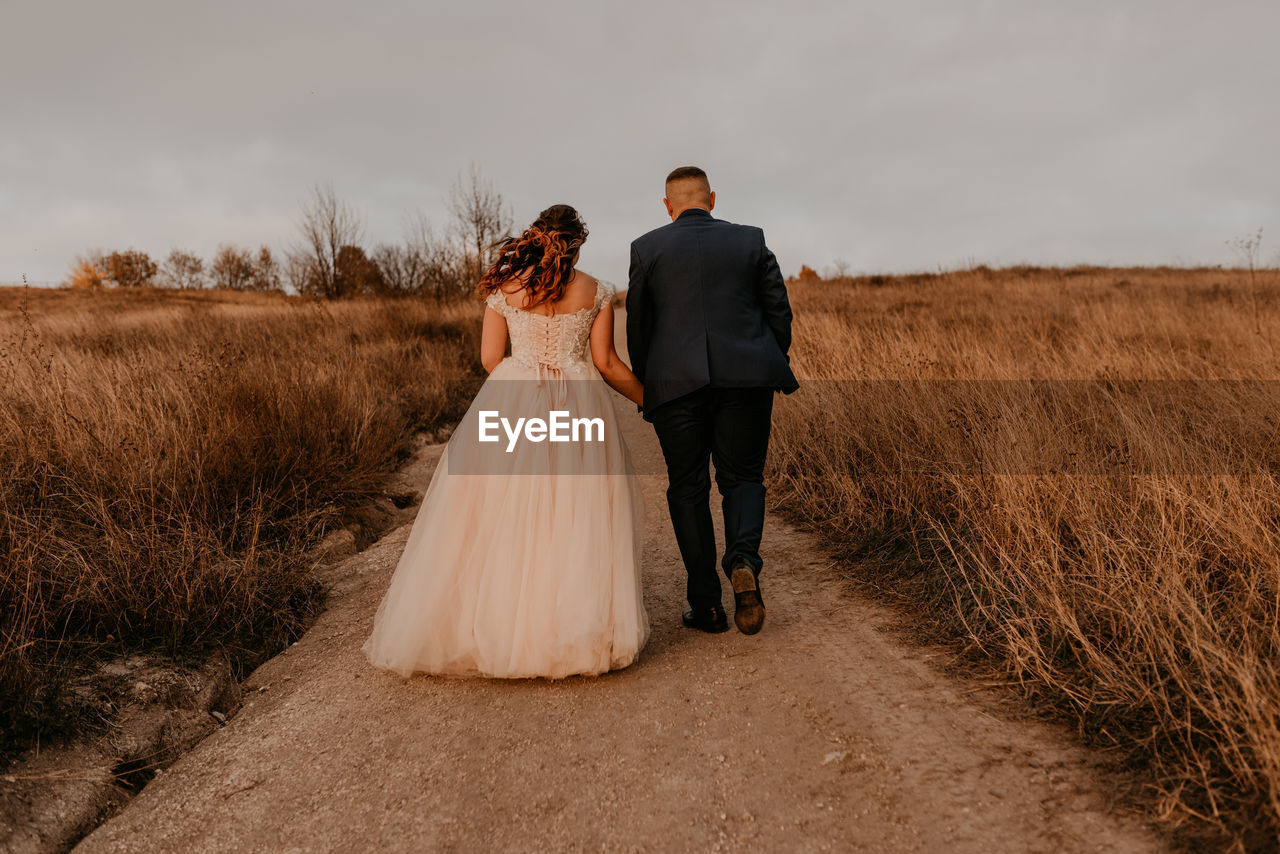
(548, 248)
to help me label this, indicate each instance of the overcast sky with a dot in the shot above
(891, 135)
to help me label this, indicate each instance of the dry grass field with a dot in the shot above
(1111, 553)
(165, 457)
(1103, 540)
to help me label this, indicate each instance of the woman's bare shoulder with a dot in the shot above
(583, 283)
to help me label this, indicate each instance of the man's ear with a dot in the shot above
(670, 210)
(712, 206)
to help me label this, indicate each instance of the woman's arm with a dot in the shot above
(493, 339)
(607, 361)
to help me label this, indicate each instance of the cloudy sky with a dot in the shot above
(892, 136)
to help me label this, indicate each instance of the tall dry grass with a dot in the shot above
(1116, 560)
(165, 458)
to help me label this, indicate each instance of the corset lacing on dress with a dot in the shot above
(548, 343)
(548, 358)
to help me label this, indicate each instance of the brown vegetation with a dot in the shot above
(236, 269)
(1138, 595)
(480, 220)
(86, 274)
(166, 456)
(184, 270)
(129, 269)
(328, 260)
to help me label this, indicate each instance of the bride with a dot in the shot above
(524, 558)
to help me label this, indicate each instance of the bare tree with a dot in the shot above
(446, 273)
(231, 268)
(480, 219)
(327, 225)
(297, 272)
(265, 272)
(401, 268)
(183, 270)
(425, 265)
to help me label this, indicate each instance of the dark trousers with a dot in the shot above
(729, 426)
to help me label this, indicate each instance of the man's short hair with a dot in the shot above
(687, 172)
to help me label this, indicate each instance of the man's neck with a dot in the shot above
(684, 211)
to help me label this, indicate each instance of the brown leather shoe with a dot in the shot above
(748, 610)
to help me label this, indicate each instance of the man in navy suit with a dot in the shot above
(708, 329)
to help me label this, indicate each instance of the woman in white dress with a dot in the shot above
(524, 558)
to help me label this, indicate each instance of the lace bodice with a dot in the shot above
(549, 340)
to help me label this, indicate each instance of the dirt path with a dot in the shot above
(821, 733)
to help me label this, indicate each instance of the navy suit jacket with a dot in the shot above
(706, 306)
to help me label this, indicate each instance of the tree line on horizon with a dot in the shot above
(328, 259)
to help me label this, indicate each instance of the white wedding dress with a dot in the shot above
(524, 563)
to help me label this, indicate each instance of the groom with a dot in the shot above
(708, 328)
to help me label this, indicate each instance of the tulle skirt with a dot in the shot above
(522, 562)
